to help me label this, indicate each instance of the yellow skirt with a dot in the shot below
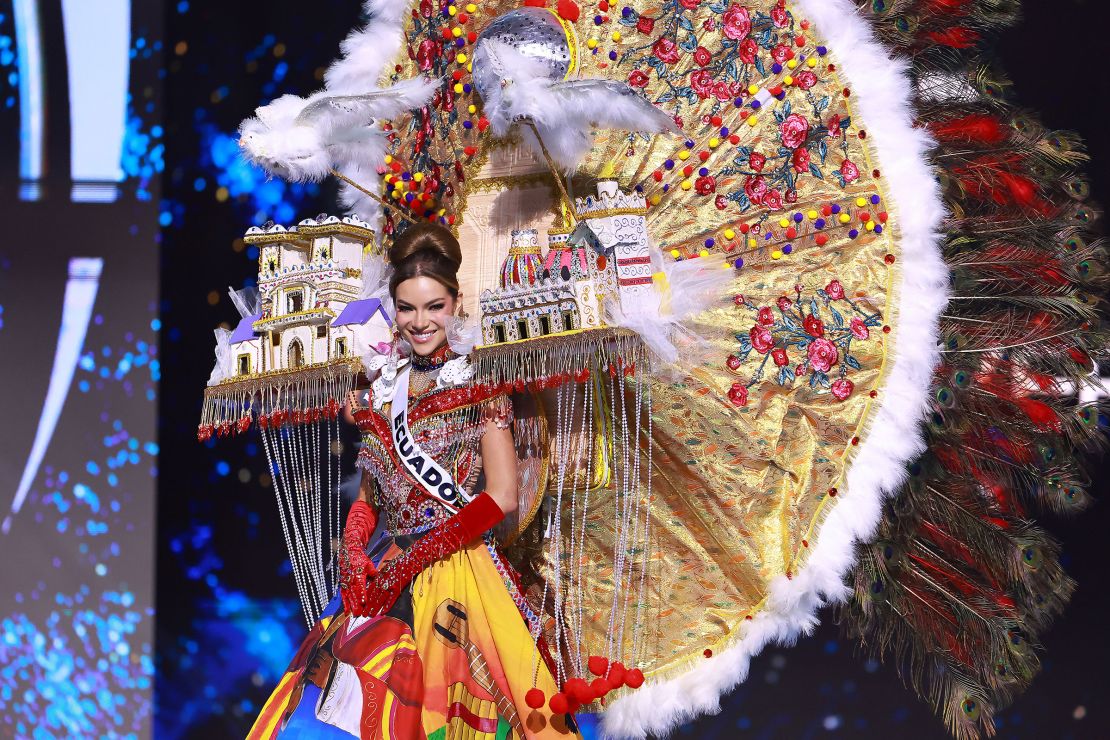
(452, 659)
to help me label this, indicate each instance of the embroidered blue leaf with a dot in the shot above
(813, 307)
(689, 43)
(815, 171)
(665, 97)
(788, 373)
(822, 149)
(759, 66)
(745, 342)
(781, 379)
(823, 103)
(838, 320)
(685, 23)
(630, 19)
(719, 7)
(851, 362)
(813, 379)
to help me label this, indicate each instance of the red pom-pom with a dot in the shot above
(535, 698)
(568, 10)
(578, 690)
(617, 673)
(600, 687)
(559, 703)
(597, 665)
(634, 678)
(535, 3)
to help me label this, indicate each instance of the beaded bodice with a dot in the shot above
(447, 423)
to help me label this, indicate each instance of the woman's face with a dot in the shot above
(423, 307)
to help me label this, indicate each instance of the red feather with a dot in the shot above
(1039, 413)
(975, 128)
(957, 37)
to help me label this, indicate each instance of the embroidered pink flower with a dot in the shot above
(859, 329)
(755, 187)
(800, 370)
(791, 196)
(841, 388)
(805, 80)
(765, 317)
(738, 394)
(689, 4)
(426, 54)
(778, 354)
(723, 91)
(738, 299)
(762, 340)
(705, 185)
(645, 24)
(733, 362)
(834, 125)
(748, 51)
(736, 22)
(793, 131)
(702, 56)
(784, 303)
(757, 161)
(814, 326)
(721, 202)
(779, 15)
(835, 290)
(800, 160)
(709, 24)
(780, 53)
(822, 354)
(701, 82)
(665, 50)
(773, 200)
(849, 171)
(638, 78)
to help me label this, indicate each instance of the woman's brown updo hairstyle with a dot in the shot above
(426, 249)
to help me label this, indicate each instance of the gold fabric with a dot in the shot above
(740, 488)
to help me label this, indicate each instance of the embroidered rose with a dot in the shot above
(835, 290)
(834, 125)
(784, 303)
(791, 196)
(638, 78)
(757, 161)
(709, 24)
(800, 370)
(705, 185)
(736, 22)
(814, 326)
(748, 51)
(701, 82)
(822, 354)
(665, 50)
(765, 317)
(702, 56)
(762, 340)
(793, 130)
(738, 299)
(733, 362)
(778, 354)
(738, 394)
(689, 4)
(849, 171)
(780, 52)
(800, 160)
(724, 91)
(859, 329)
(773, 200)
(779, 15)
(721, 202)
(841, 388)
(426, 54)
(755, 187)
(645, 24)
(805, 80)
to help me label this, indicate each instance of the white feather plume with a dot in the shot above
(564, 112)
(222, 368)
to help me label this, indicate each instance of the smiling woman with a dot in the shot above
(426, 259)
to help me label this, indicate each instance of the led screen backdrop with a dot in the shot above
(80, 152)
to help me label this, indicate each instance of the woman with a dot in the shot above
(430, 635)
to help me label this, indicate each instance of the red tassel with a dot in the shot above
(975, 128)
(957, 37)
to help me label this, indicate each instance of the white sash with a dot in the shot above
(420, 465)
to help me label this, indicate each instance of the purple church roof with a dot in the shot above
(244, 331)
(359, 312)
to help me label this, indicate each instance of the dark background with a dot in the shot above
(228, 620)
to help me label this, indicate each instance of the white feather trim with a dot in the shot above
(367, 50)
(882, 97)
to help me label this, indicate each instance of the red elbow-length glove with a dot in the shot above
(471, 522)
(354, 564)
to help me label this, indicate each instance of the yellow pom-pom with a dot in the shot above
(870, 226)
(418, 176)
(687, 184)
(616, 35)
(458, 87)
(861, 202)
(396, 194)
(812, 215)
(470, 66)
(776, 255)
(655, 200)
(684, 155)
(784, 222)
(792, 64)
(456, 31)
(471, 7)
(388, 158)
(591, 44)
(461, 58)
(703, 253)
(730, 234)
(752, 89)
(753, 121)
(452, 10)
(811, 62)
(714, 142)
(788, 80)
(845, 218)
(675, 253)
(472, 108)
(441, 212)
(752, 244)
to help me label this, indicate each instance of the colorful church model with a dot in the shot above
(606, 260)
(310, 313)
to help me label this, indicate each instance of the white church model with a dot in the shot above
(309, 279)
(606, 259)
